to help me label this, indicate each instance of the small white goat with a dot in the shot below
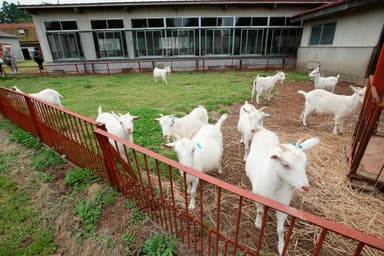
(118, 125)
(48, 95)
(161, 73)
(327, 83)
(266, 84)
(275, 170)
(322, 101)
(250, 121)
(182, 127)
(201, 151)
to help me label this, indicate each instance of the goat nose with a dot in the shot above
(165, 137)
(305, 188)
(253, 130)
(129, 130)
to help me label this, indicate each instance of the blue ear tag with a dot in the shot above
(173, 120)
(198, 146)
(294, 144)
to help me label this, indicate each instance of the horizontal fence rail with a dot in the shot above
(223, 221)
(147, 65)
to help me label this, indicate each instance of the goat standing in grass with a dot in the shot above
(48, 95)
(275, 170)
(327, 83)
(201, 151)
(341, 106)
(118, 125)
(161, 73)
(266, 84)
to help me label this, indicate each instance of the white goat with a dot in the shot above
(250, 120)
(327, 83)
(182, 127)
(118, 125)
(201, 151)
(48, 95)
(266, 84)
(322, 101)
(275, 170)
(161, 73)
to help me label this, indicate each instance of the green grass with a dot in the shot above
(20, 233)
(138, 94)
(158, 245)
(80, 179)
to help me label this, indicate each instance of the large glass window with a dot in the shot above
(64, 46)
(220, 35)
(109, 39)
(64, 40)
(322, 33)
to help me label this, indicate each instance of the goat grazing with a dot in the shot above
(250, 120)
(327, 83)
(118, 125)
(266, 84)
(48, 95)
(275, 170)
(161, 73)
(201, 151)
(322, 101)
(182, 127)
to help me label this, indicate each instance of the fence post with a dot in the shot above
(108, 160)
(32, 112)
(77, 69)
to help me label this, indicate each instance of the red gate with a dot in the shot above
(366, 159)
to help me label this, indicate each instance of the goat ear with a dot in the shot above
(169, 145)
(262, 109)
(246, 110)
(115, 115)
(283, 147)
(155, 120)
(136, 117)
(309, 143)
(275, 157)
(160, 115)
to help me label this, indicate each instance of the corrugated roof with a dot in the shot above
(332, 8)
(104, 3)
(6, 35)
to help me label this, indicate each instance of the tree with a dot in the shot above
(9, 13)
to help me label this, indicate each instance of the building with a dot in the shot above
(12, 41)
(343, 37)
(26, 34)
(129, 30)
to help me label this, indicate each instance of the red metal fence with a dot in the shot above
(222, 224)
(368, 129)
(146, 65)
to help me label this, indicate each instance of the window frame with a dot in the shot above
(320, 39)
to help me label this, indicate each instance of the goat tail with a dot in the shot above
(99, 110)
(302, 92)
(221, 120)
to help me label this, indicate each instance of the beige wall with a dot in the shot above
(356, 35)
(85, 16)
